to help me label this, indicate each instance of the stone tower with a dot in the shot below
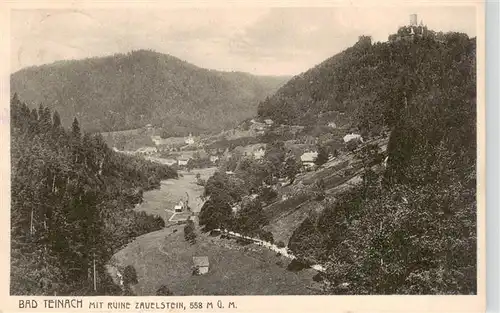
(413, 19)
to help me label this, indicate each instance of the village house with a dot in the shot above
(352, 136)
(236, 208)
(169, 162)
(259, 154)
(180, 206)
(147, 150)
(214, 158)
(308, 158)
(257, 127)
(189, 140)
(269, 121)
(155, 138)
(332, 125)
(183, 160)
(201, 264)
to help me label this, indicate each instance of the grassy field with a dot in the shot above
(165, 258)
(172, 191)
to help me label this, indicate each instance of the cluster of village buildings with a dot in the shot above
(214, 155)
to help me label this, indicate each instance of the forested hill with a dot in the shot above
(71, 205)
(369, 82)
(411, 228)
(127, 91)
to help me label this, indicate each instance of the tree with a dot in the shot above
(291, 168)
(252, 173)
(75, 129)
(251, 218)
(353, 144)
(319, 189)
(216, 212)
(322, 157)
(307, 242)
(129, 275)
(189, 232)
(164, 291)
(56, 120)
(68, 218)
(370, 155)
(275, 157)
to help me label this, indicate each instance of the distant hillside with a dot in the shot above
(369, 82)
(126, 91)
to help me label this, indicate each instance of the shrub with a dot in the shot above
(318, 277)
(163, 291)
(296, 266)
(243, 241)
(129, 275)
(267, 194)
(189, 234)
(196, 271)
(266, 236)
(348, 172)
(353, 144)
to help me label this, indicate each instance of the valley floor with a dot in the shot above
(165, 258)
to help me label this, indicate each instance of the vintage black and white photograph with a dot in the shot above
(214, 151)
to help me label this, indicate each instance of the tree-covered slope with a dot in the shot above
(411, 228)
(369, 81)
(71, 205)
(127, 91)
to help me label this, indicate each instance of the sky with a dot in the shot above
(262, 41)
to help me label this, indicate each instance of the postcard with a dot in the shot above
(243, 157)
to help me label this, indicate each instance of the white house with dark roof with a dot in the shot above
(352, 136)
(201, 264)
(308, 158)
(259, 153)
(183, 160)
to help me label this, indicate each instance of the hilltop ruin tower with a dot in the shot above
(413, 20)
